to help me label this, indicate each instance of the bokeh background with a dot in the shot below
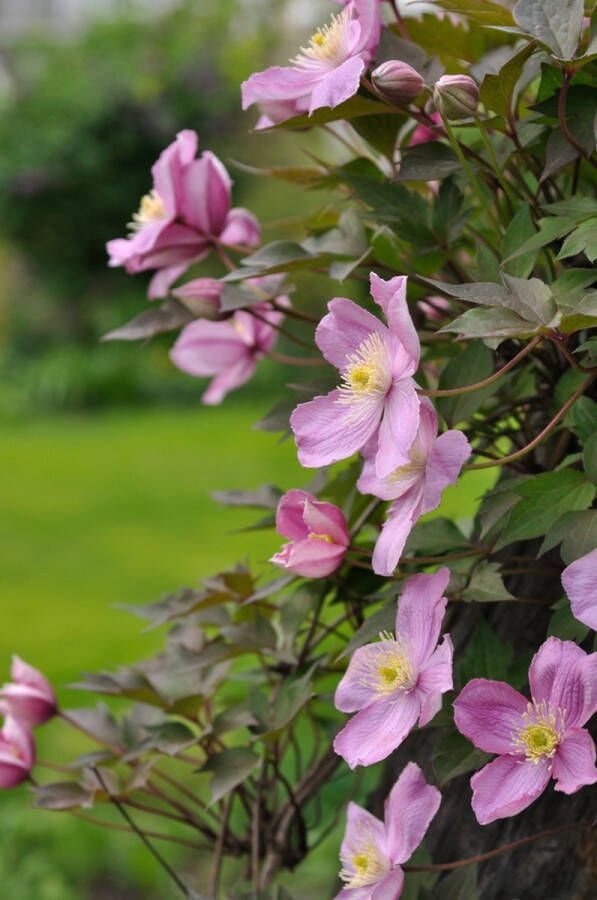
(107, 456)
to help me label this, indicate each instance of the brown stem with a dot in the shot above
(400, 21)
(506, 848)
(542, 435)
(299, 361)
(158, 836)
(563, 124)
(291, 337)
(560, 343)
(216, 862)
(469, 388)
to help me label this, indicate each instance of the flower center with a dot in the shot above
(151, 209)
(368, 866)
(368, 371)
(329, 44)
(389, 669)
(313, 536)
(541, 734)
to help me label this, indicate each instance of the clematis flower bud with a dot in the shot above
(201, 296)
(17, 753)
(397, 82)
(318, 535)
(29, 698)
(456, 96)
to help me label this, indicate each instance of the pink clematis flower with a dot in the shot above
(372, 852)
(177, 222)
(580, 583)
(377, 393)
(534, 741)
(317, 533)
(228, 350)
(416, 488)
(325, 73)
(29, 698)
(397, 680)
(17, 753)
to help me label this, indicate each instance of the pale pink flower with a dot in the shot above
(377, 393)
(373, 852)
(434, 308)
(325, 73)
(416, 487)
(317, 533)
(534, 740)
(178, 221)
(422, 134)
(398, 680)
(17, 752)
(580, 583)
(228, 350)
(29, 698)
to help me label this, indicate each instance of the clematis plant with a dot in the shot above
(398, 680)
(535, 740)
(457, 158)
(372, 851)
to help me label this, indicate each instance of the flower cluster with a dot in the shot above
(28, 700)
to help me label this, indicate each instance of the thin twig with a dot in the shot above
(469, 388)
(216, 861)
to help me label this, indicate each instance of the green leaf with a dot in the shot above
(485, 12)
(431, 161)
(470, 366)
(520, 229)
(167, 317)
(564, 625)
(584, 418)
(455, 756)
(486, 656)
(498, 91)
(545, 498)
(229, 769)
(295, 693)
(589, 348)
(489, 323)
(487, 585)
(265, 497)
(582, 240)
(62, 795)
(590, 456)
(576, 531)
(550, 229)
(461, 884)
(350, 109)
(438, 535)
(556, 23)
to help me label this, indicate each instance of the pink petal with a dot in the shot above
(402, 516)
(22, 673)
(398, 428)
(421, 609)
(312, 558)
(506, 786)
(241, 227)
(325, 518)
(356, 689)
(167, 171)
(562, 674)
(368, 15)
(446, 459)
(231, 378)
(163, 279)
(205, 198)
(390, 888)
(391, 296)
(574, 761)
(208, 348)
(361, 828)
(201, 296)
(488, 713)
(337, 85)
(30, 706)
(277, 83)
(392, 488)
(342, 331)
(409, 809)
(435, 680)
(374, 732)
(326, 433)
(290, 515)
(580, 583)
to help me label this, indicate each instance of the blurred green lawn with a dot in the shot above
(107, 509)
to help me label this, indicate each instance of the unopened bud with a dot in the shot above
(397, 82)
(456, 96)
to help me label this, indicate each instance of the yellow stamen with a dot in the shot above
(328, 44)
(368, 866)
(313, 536)
(540, 736)
(151, 209)
(368, 371)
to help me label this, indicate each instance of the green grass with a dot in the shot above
(114, 508)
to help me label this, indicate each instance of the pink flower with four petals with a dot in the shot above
(325, 73)
(188, 207)
(377, 394)
(534, 740)
(317, 533)
(394, 682)
(373, 852)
